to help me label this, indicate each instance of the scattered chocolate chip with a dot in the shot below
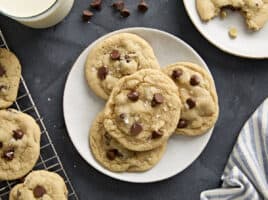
(122, 116)
(156, 134)
(96, 4)
(112, 153)
(194, 80)
(133, 96)
(39, 191)
(124, 12)
(17, 134)
(87, 15)
(102, 73)
(9, 154)
(115, 55)
(143, 6)
(1, 145)
(118, 5)
(183, 123)
(176, 74)
(2, 71)
(191, 103)
(157, 99)
(135, 129)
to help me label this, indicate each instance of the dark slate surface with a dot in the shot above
(47, 56)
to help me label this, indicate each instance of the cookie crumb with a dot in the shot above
(233, 32)
(223, 14)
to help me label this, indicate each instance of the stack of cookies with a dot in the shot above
(145, 105)
(20, 141)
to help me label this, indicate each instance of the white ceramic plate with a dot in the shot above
(81, 106)
(247, 44)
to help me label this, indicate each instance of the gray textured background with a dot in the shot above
(47, 56)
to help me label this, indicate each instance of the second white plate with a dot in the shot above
(81, 106)
(247, 44)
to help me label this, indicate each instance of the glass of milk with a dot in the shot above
(36, 13)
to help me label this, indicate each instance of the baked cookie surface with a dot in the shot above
(40, 184)
(198, 96)
(255, 11)
(115, 57)
(10, 72)
(143, 110)
(113, 156)
(19, 144)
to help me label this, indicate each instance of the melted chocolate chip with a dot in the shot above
(8, 154)
(18, 134)
(39, 191)
(143, 6)
(96, 4)
(135, 129)
(112, 153)
(176, 74)
(118, 5)
(86, 16)
(183, 123)
(124, 12)
(102, 73)
(191, 103)
(157, 99)
(1, 145)
(156, 134)
(115, 55)
(133, 96)
(2, 71)
(194, 80)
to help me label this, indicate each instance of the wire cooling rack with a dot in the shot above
(49, 158)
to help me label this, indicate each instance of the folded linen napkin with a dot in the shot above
(245, 176)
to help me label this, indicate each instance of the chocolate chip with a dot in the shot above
(176, 74)
(2, 71)
(194, 80)
(9, 154)
(191, 103)
(96, 4)
(17, 134)
(143, 6)
(118, 5)
(115, 55)
(124, 12)
(183, 123)
(122, 116)
(133, 96)
(39, 191)
(102, 73)
(86, 16)
(112, 153)
(157, 99)
(156, 134)
(1, 145)
(135, 129)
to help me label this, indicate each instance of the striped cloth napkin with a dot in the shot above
(245, 176)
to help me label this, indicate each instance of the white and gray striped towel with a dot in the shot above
(245, 176)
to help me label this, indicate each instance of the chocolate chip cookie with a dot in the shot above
(10, 72)
(115, 57)
(19, 144)
(113, 156)
(40, 185)
(198, 96)
(255, 11)
(143, 110)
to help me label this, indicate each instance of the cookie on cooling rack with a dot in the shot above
(198, 95)
(10, 72)
(113, 156)
(19, 144)
(115, 57)
(40, 184)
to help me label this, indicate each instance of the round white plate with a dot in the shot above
(247, 44)
(81, 106)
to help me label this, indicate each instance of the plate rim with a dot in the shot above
(202, 32)
(131, 29)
